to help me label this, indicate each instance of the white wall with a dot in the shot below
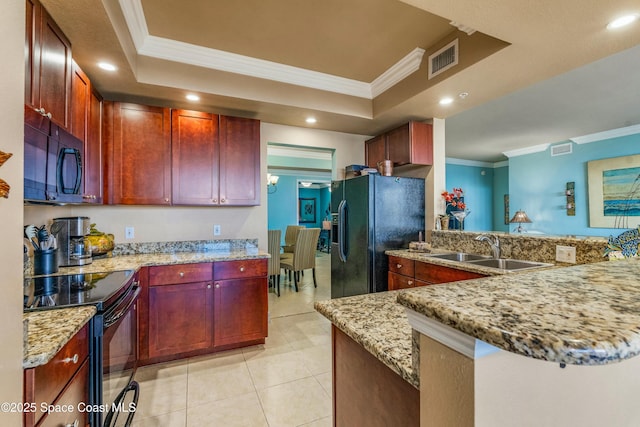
(153, 224)
(12, 20)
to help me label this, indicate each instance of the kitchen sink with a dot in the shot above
(461, 256)
(509, 264)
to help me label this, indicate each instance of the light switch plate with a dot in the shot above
(566, 254)
(216, 230)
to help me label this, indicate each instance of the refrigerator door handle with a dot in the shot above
(342, 231)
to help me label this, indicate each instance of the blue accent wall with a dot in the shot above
(500, 189)
(478, 193)
(537, 183)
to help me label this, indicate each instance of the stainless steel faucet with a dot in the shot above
(493, 241)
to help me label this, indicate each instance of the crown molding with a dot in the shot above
(176, 51)
(475, 163)
(608, 134)
(526, 150)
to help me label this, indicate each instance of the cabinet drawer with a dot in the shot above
(181, 273)
(223, 270)
(76, 391)
(438, 274)
(401, 265)
(47, 381)
(398, 281)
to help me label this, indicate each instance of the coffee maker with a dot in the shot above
(74, 247)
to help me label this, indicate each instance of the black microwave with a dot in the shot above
(53, 171)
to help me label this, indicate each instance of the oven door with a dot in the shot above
(119, 359)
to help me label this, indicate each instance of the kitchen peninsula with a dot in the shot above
(515, 349)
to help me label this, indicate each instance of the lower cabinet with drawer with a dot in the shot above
(55, 390)
(191, 309)
(406, 273)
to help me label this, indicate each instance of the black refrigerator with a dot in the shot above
(371, 214)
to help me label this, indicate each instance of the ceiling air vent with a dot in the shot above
(559, 150)
(443, 59)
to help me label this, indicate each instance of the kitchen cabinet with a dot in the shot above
(191, 309)
(406, 273)
(137, 141)
(240, 301)
(239, 161)
(62, 381)
(180, 309)
(93, 182)
(47, 65)
(411, 143)
(195, 158)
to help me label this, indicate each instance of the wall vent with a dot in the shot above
(561, 149)
(443, 59)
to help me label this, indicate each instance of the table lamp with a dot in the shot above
(520, 217)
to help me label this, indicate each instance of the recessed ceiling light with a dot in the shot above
(446, 101)
(107, 66)
(193, 97)
(311, 120)
(463, 95)
(623, 21)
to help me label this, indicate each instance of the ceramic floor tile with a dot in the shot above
(309, 335)
(173, 419)
(218, 377)
(162, 396)
(322, 422)
(326, 381)
(317, 359)
(277, 369)
(238, 411)
(295, 403)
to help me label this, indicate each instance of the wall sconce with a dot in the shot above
(570, 192)
(520, 218)
(272, 181)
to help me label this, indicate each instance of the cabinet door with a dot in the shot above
(80, 96)
(195, 162)
(411, 143)
(239, 161)
(93, 151)
(77, 391)
(31, 62)
(52, 87)
(141, 155)
(398, 281)
(240, 310)
(375, 151)
(432, 273)
(180, 318)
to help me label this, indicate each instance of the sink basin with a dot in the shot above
(461, 256)
(509, 264)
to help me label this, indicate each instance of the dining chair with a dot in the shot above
(273, 246)
(290, 235)
(304, 255)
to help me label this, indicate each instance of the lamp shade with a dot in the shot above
(520, 217)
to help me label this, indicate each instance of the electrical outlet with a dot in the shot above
(216, 230)
(128, 233)
(566, 254)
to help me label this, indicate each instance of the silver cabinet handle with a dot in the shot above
(208, 286)
(166, 199)
(241, 269)
(76, 423)
(410, 283)
(398, 265)
(217, 285)
(73, 359)
(181, 274)
(215, 200)
(222, 200)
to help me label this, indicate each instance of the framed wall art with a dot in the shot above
(307, 210)
(614, 192)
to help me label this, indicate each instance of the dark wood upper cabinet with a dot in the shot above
(411, 143)
(80, 97)
(194, 157)
(47, 65)
(138, 150)
(239, 161)
(93, 182)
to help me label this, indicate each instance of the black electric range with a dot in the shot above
(99, 289)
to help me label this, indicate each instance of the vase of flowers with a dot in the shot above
(456, 210)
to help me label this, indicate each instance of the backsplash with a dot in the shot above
(539, 248)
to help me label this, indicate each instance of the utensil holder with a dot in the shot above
(45, 262)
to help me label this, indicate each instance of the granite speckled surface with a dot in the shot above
(380, 325)
(50, 330)
(582, 315)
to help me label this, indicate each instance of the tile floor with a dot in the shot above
(285, 382)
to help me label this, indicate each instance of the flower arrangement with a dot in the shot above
(454, 199)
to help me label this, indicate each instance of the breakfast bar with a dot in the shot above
(548, 347)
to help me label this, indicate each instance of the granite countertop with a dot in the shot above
(582, 315)
(426, 257)
(50, 330)
(380, 325)
(134, 262)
